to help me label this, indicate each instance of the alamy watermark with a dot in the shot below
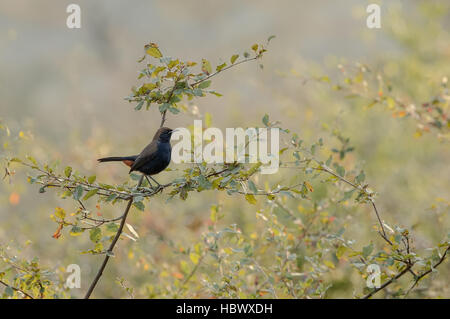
(374, 278)
(74, 19)
(373, 20)
(74, 279)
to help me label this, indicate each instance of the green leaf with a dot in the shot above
(138, 199)
(367, 250)
(340, 170)
(265, 119)
(164, 107)
(255, 47)
(347, 195)
(135, 177)
(313, 149)
(91, 193)
(174, 110)
(252, 187)
(360, 178)
(112, 228)
(204, 84)
(139, 205)
(68, 171)
(76, 231)
(9, 291)
(139, 105)
(328, 162)
(92, 179)
(78, 192)
(95, 234)
(234, 58)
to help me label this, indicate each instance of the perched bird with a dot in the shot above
(154, 158)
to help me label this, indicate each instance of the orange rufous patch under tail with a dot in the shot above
(128, 163)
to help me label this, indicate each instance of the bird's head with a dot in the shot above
(163, 134)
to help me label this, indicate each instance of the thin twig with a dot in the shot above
(194, 270)
(224, 69)
(329, 171)
(16, 289)
(419, 277)
(387, 283)
(113, 243)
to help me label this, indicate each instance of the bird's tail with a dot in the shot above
(117, 159)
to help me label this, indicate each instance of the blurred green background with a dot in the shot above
(65, 88)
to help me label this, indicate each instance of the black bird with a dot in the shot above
(154, 158)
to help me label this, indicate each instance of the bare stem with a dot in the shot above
(419, 277)
(387, 283)
(113, 243)
(16, 289)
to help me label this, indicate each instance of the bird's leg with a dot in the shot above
(159, 185)
(144, 189)
(149, 183)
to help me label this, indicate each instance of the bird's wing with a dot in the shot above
(147, 155)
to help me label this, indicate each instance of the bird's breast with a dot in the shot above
(165, 152)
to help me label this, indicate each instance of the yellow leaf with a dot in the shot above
(341, 251)
(194, 258)
(60, 213)
(149, 86)
(208, 119)
(329, 264)
(390, 102)
(250, 198)
(234, 58)
(206, 66)
(154, 52)
(309, 186)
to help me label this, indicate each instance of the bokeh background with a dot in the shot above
(65, 88)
